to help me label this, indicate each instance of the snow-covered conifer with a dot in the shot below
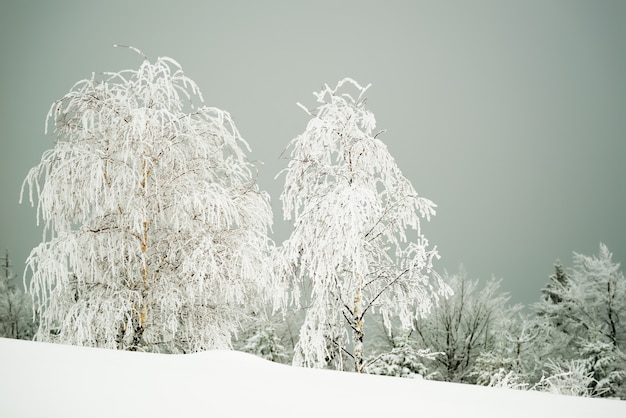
(352, 211)
(553, 292)
(553, 316)
(507, 379)
(155, 232)
(554, 298)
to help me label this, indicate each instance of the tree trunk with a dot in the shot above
(358, 333)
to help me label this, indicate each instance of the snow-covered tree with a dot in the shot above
(263, 341)
(497, 368)
(357, 242)
(606, 365)
(570, 378)
(509, 380)
(155, 232)
(553, 292)
(553, 316)
(517, 355)
(552, 307)
(404, 360)
(597, 297)
(16, 307)
(463, 326)
(584, 319)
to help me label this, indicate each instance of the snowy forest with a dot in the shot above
(157, 239)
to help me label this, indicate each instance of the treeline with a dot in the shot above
(571, 341)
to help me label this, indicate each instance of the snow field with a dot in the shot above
(48, 380)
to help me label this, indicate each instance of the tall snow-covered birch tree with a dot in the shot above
(353, 212)
(155, 232)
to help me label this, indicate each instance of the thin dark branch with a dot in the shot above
(343, 349)
(391, 283)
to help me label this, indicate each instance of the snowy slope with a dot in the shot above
(45, 380)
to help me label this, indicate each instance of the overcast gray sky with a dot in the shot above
(511, 116)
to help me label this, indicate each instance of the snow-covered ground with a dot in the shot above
(46, 380)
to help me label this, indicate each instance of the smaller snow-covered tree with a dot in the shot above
(516, 357)
(606, 365)
(520, 341)
(597, 297)
(553, 297)
(352, 211)
(496, 368)
(404, 360)
(463, 326)
(553, 317)
(266, 344)
(597, 316)
(553, 292)
(583, 316)
(571, 378)
(16, 307)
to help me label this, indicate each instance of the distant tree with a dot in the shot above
(553, 314)
(265, 342)
(552, 294)
(352, 211)
(16, 307)
(463, 326)
(569, 378)
(497, 368)
(584, 318)
(597, 296)
(606, 365)
(405, 359)
(521, 352)
(155, 231)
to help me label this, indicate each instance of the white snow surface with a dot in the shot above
(48, 380)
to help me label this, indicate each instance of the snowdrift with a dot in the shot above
(47, 380)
